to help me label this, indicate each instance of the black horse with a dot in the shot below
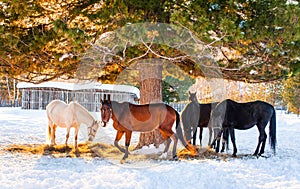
(196, 115)
(229, 115)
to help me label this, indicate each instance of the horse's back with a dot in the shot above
(264, 109)
(55, 104)
(58, 112)
(247, 114)
(247, 106)
(79, 111)
(142, 118)
(154, 110)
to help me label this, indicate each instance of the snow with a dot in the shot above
(19, 170)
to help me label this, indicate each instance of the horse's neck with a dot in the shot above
(195, 104)
(84, 115)
(116, 108)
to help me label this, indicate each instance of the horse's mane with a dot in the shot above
(76, 104)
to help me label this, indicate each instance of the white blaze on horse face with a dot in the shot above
(105, 114)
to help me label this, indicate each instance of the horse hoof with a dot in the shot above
(125, 157)
(122, 161)
(175, 158)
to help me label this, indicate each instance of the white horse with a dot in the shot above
(69, 115)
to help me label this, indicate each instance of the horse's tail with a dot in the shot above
(272, 131)
(180, 135)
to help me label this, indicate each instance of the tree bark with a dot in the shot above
(150, 92)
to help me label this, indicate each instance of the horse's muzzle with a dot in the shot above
(104, 123)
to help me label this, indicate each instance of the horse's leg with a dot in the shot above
(67, 135)
(261, 139)
(118, 138)
(167, 145)
(200, 135)
(262, 149)
(210, 135)
(127, 143)
(53, 129)
(232, 137)
(167, 133)
(213, 143)
(167, 138)
(194, 136)
(76, 136)
(225, 140)
(175, 140)
(218, 138)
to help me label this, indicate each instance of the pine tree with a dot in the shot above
(291, 93)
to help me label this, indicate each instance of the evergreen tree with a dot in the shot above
(291, 93)
(175, 90)
(253, 40)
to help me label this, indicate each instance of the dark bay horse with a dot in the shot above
(129, 117)
(229, 115)
(196, 115)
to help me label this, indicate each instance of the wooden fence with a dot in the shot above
(90, 99)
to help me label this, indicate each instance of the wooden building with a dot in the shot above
(88, 94)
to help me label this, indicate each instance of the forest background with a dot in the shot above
(257, 44)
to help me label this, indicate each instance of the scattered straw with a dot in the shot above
(108, 151)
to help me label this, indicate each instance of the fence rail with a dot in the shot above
(10, 103)
(91, 106)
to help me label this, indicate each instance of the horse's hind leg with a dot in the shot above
(262, 149)
(261, 140)
(175, 140)
(167, 145)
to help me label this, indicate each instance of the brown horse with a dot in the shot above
(129, 117)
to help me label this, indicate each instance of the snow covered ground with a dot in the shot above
(35, 171)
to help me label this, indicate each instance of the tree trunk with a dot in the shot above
(150, 92)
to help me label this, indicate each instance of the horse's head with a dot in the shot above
(187, 133)
(193, 97)
(92, 130)
(105, 111)
(217, 117)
